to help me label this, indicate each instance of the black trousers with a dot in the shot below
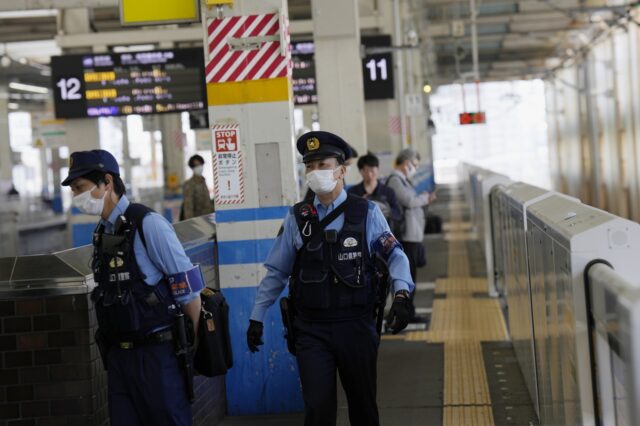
(351, 349)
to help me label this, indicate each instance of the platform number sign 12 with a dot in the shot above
(70, 89)
(377, 69)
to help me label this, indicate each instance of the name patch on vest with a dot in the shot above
(122, 276)
(350, 256)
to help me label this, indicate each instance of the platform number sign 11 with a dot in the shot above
(377, 69)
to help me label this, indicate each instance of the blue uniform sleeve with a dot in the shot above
(279, 265)
(165, 250)
(383, 242)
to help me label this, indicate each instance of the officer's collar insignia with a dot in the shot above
(313, 144)
(350, 242)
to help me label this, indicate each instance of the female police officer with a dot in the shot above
(145, 286)
(329, 263)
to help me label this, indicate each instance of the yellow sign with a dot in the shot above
(250, 91)
(218, 2)
(172, 181)
(150, 12)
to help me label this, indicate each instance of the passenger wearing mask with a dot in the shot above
(411, 233)
(374, 190)
(197, 201)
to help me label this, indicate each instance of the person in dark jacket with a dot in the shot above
(374, 190)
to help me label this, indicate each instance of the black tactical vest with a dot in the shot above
(126, 307)
(333, 271)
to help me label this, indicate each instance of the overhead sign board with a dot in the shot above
(303, 77)
(153, 12)
(112, 84)
(377, 71)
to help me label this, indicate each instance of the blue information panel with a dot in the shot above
(111, 84)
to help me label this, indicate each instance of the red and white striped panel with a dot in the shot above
(224, 64)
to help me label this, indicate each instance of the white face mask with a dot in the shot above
(411, 171)
(197, 170)
(87, 204)
(322, 181)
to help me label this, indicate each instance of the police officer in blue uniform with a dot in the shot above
(325, 251)
(147, 290)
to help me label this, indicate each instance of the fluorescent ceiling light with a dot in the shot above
(133, 48)
(13, 105)
(36, 13)
(28, 88)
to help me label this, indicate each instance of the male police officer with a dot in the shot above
(145, 286)
(326, 247)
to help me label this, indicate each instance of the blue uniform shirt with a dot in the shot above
(282, 256)
(164, 254)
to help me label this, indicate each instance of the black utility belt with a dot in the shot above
(151, 339)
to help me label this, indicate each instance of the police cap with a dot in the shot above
(84, 162)
(319, 145)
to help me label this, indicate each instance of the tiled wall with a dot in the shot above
(51, 373)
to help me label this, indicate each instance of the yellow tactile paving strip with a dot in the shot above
(459, 416)
(461, 321)
(457, 226)
(465, 380)
(460, 287)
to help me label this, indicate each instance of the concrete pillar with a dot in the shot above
(255, 185)
(172, 163)
(336, 34)
(6, 155)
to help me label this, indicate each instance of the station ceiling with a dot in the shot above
(515, 38)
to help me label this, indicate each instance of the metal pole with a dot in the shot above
(397, 35)
(126, 153)
(474, 39)
(594, 152)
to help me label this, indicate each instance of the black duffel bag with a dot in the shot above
(213, 356)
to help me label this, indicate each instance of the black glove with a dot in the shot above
(398, 317)
(254, 335)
